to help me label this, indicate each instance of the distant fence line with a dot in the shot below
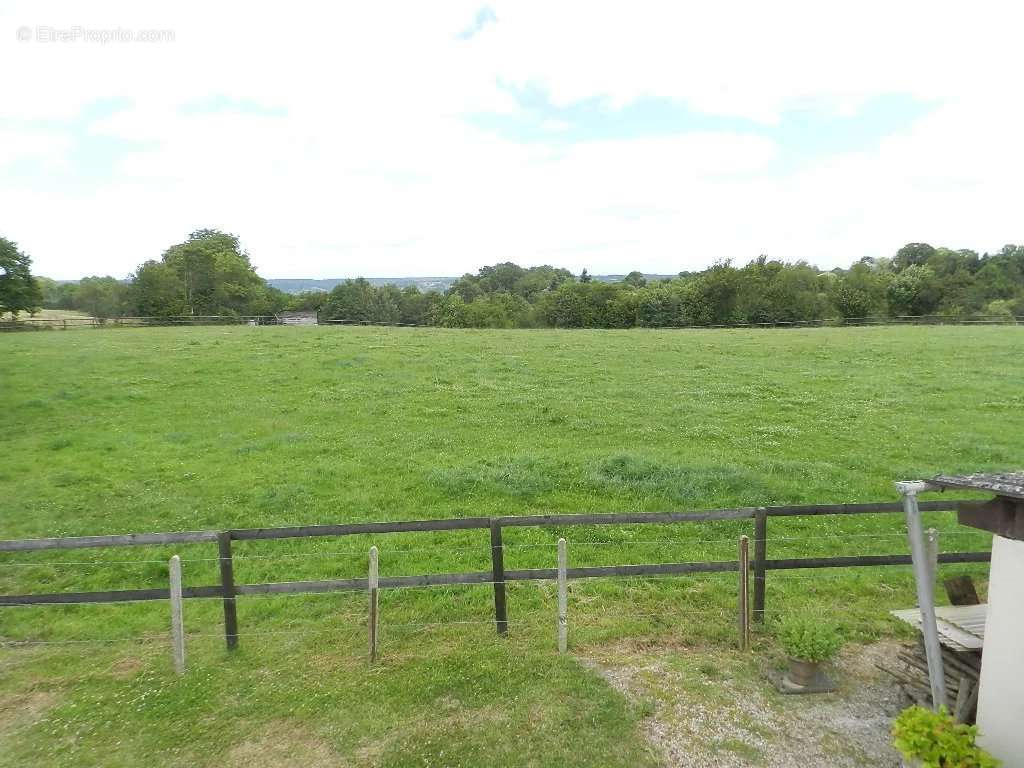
(68, 323)
(498, 576)
(46, 323)
(832, 322)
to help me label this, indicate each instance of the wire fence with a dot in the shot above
(598, 590)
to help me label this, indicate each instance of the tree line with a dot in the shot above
(917, 280)
(210, 274)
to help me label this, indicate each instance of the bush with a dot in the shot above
(936, 741)
(808, 638)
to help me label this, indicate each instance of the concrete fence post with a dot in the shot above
(177, 617)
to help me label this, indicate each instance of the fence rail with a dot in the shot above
(228, 591)
(70, 323)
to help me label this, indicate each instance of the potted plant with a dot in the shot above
(808, 641)
(927, 739)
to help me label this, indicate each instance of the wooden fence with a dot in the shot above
(71, 323)
(759, 565)
(64, 324)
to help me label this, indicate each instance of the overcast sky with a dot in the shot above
(430, 138)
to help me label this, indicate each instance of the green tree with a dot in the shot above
(102, 297)
(19, 290)
(914, 291)
(635, 279)
(217, 277)
(158, 291)
(912, 254)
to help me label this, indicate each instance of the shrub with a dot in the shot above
(936, 741)
(808, 638)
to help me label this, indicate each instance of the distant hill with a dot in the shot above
(440, 284)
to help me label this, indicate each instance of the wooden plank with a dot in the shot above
(871, 507)
(625, 518)
(869, 560)
(960, 591)
(118, 540)
(354, 529)
(109, 596)
(760, 554)
(244, 534)
(227, 584)
(498, 577)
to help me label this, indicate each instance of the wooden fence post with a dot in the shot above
(744, 601)
(760, 555)
(177, 619)
(372, 583)
(227, 585)
(498, 577)
(563, 598)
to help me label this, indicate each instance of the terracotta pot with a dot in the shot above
(802, 672)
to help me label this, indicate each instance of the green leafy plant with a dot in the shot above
(936, 741)
(808, 638)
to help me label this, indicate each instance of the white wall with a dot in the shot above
(1001, 698)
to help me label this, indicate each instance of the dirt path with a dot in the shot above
(714, 709)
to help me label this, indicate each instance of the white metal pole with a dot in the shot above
(563, 598)
(372, 583)
(177, 618)
(931, 546)
(924, 579)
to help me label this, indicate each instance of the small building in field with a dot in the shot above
(297, 318)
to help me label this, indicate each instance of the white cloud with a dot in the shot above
(373, 169)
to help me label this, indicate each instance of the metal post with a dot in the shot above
(177, 621)
(744, 602)
(563, 598)
(924, 579)
(372, 583)
(931, 546)
(760, 555)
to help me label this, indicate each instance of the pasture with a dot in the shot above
(166, 429)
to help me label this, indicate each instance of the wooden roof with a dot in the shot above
(1010, 484)
(961, 627)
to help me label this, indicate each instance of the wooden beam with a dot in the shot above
(498, 577)
(118, 540)
(354, 529)
(227, 584)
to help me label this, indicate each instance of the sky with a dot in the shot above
(395, 139)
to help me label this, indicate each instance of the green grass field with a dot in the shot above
(206, 428)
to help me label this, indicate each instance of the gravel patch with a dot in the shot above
(717, 709)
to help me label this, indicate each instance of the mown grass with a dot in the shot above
(186, 429)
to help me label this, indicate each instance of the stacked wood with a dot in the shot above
(962, 671)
